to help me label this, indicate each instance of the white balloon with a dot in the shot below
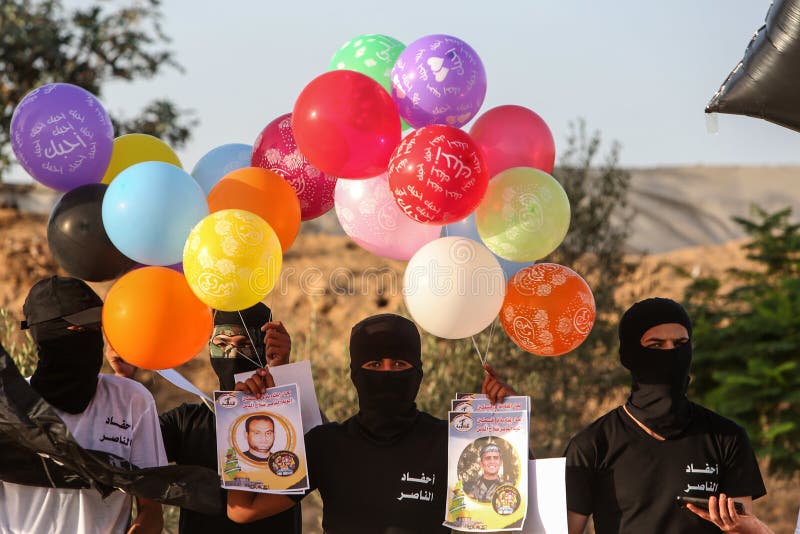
(454, 287)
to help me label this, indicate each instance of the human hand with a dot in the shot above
(257, 384)
(723, 514)
(278, 343)
(494, 388)
(118, 365)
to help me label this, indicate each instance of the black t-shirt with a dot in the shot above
(189, 433)
(380, 489)
(629, 480)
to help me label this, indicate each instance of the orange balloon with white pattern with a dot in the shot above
(548, 310)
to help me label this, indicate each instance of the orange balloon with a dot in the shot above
(153, 320)
(548, 310)
(263, 192)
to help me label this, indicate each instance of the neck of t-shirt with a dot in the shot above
(655, 435)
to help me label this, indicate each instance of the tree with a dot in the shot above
(747, 340)
(44, 43)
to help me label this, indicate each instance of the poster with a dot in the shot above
(260, 444)
(482, 404)
(487, 472)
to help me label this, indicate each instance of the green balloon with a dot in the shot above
(371, 54)
(524, 215)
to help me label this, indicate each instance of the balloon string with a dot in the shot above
(252, 343)
(475, 344)
(489, 343)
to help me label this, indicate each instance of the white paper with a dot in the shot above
(296, 373)
(547, 497)
(175, 378)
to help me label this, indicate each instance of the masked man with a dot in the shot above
(103, 413)
(627, 468)
(388, 438)
(238, 344)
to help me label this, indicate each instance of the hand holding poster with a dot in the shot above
(260, 443)
(487, 475)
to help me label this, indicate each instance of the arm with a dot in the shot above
(247, 506)
(118, 365)
(494, 388)
(722, 513)
(576, 523)
(149, 519)
(278, 343)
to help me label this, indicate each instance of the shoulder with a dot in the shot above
(325, 431)
(714, 423)
(426, 420)
(186, 411)
(124, 386)
(721, 429)
(599, 429)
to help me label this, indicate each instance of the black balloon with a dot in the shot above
(78, 240)
(766, 82)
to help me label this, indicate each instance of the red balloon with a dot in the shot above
(548, 309)
(438, 175)
(514, 136)
(276, 150)
(346, 124)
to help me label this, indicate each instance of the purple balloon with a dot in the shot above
(62, 136)
(438, 79)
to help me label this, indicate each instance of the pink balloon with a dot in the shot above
(514, 136)
(276, 150)
(369, 215)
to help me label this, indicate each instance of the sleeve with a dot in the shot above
(147, 447)
(741, 476)
(171, 431)
(580, 475)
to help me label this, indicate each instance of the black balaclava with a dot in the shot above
(228, 360)
(386, 399)
(660, 377)
(69, 360)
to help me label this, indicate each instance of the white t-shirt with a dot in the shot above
(121, 419)
(797, 528)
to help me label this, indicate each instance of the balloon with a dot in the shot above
(524, 216)
(453, 287)
(232, 260)
(438, 175)
(466, 228)
(264, 193)
(276, 150)
(346, 125)
(764, 83)
(514, 136)
(371, 54)
(78, 240)
(369, 215)
(149, 210)
(548, 310)
(153, 320)
(218, 162)
(62, 136)
(134, 148)
(438, 79)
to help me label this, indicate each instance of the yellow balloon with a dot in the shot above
(131, 149)
(232, 259)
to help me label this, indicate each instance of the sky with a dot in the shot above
(639, 72)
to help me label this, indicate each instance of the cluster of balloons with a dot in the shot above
(471, 211)
(179, 244)
(467, 209)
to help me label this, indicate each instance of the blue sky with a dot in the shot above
(640, 72)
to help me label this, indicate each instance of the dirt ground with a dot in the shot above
(328, 284)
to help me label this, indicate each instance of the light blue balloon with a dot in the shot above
(149, 210)
(220, 161)
(467, 228)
